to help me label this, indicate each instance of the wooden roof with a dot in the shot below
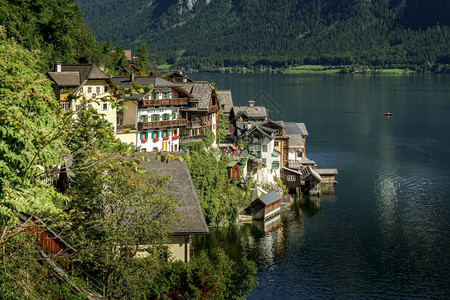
(183, 190)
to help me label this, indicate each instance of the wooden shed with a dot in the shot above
(266, 206)
(328, 176)
(50, 241)
(234, 170)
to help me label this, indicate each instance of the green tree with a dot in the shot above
(119, 211)
(31, 128)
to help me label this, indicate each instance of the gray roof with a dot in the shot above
(255, 112)
(327, 171)
(65, 78)
(183, 190)
(270, 198)
(295, 128)
(295, 140)
(226, 100)
(85, 71)
(199, 90)
(269, 132)
(125, 82)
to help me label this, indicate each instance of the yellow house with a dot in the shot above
(75, 83)
(192, 221)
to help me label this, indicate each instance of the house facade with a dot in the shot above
(152, 119)
(79, 86)
(202, 112)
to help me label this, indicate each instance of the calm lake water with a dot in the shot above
(386, 232)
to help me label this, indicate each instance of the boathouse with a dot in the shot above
(266, 206)
(328, 176)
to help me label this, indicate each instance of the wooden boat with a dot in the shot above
(387, 114)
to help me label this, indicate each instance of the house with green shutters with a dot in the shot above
(152, 119)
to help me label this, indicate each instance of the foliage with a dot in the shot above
(220, 199)
(23, 275)
(388, 33)
(208, 276)
(209, 138)
(115, 210)
(222, 127)
(192, 146)
(31, 128)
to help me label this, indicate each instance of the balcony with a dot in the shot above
(163, 102)
(194, 124)
(162, 124)
(192, 138)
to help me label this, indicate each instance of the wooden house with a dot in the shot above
(328, 176)
(266, 206)
(49, 240)
(202, 111)
(234, 170)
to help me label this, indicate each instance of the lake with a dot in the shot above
(385, 234)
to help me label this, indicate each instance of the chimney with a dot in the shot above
(132, 77)
(58, 66)
(251, 103)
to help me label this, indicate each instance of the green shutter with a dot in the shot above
(141, 136)
(146, 135)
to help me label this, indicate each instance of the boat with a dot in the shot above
(387, 114)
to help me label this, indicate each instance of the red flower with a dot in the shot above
(165, 138)
(175, 137)
(155, 140)
(144, 140)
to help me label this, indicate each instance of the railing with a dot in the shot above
(194, 124)
(163, 102)
(162, 124)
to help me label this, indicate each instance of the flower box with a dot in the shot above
(155, 140)
(165, 138)
(144, 140)
(175, 137)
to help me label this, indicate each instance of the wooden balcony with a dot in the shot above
(163, 102)
(162, 124)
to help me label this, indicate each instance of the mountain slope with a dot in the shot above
(196, 33)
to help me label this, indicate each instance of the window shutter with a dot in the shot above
(140, 136)
(146, 135)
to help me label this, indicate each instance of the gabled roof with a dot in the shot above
(183, 190)
(226, 100)
(270, 198)
(268, 132)
(200, 91)
(85, 71)
(295, 128)
(125, 82)
(252, 113)
(233, 163)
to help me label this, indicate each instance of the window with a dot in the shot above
(82, 90)
(291, 178)
(97, 89)
(105, 106)
(106, 88)
(264, 149)
(89, 89)
(264, 160)
(277, 144)
(77, 107)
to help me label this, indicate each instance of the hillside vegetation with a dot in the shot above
(223, 33)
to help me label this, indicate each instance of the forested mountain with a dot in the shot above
(203, 33)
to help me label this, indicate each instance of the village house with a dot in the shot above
(202, 112)
(152, 118)
(192, 221)
(264, 160)
(281, 143)
(76, 85)
(244, 118)
(266, 206)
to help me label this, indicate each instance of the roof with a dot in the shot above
(226, 100)
(233, 163)
(295, 140)
(85, 71)
(255, 112)
(270, 198)
(65, 78)
(183, 190)
(268, 132)
(295, 128)
(125, 82)
(199, 90)
(327, 171)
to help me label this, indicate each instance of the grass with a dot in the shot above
(394, 71)
(164, 67)
(308, 69)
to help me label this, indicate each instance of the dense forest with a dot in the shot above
(218, 33)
